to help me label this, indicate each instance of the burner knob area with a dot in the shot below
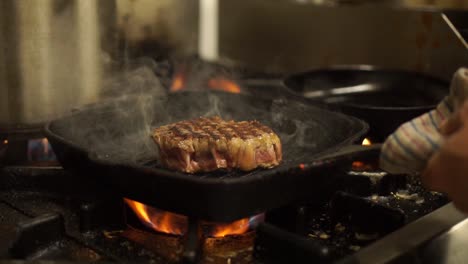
(364, 215)
(36, 234)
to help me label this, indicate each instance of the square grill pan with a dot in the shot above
(110, 143)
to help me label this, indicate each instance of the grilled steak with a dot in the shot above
(207, 144)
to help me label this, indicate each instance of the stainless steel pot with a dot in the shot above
(54, 53)
(51, 55)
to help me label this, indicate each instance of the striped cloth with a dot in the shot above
(409, 148)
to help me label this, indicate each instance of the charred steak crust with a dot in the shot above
(209, 143)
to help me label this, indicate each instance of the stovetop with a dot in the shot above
(49, 214)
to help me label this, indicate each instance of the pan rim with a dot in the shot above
(366, 68)
(314, 161)
(214, 199)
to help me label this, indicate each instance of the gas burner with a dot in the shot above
(27, 152)
(167, 234)
(80, 221)
(48, 213)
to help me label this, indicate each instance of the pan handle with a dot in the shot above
(354, 152)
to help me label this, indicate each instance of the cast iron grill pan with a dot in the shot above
(111, 144)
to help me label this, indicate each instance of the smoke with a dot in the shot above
(137, 78)
(134, 101)
(213, 110)
(119, 127)
(302, 126)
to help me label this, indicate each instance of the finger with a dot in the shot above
(451, 125)
(460, 204)
(459, 197)
(455, 122)
(433, 176)
(464, 112)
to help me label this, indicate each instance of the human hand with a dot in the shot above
(409, 148)
(447, 169)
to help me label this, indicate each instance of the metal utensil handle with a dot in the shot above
(353, 151)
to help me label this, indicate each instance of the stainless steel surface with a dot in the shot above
(285, 36)
(51, 56)
(54, 53)
(406, 4)
(406, 243)
(450, 247)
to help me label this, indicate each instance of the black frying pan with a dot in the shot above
(111, 143)
(383, 98)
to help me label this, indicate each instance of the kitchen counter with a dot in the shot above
(439, 237)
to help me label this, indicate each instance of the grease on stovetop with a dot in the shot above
(344, 238)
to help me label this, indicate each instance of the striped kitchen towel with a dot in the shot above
(409, 148)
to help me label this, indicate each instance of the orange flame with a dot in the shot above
(178, 83)
(5, 141)
(218, 83)
(366, 142)
(235, 228)
(45, 145)
(170, 223)
(159, 220)
(358, 165)
(223, 84)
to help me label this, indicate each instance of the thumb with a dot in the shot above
(456, 121)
